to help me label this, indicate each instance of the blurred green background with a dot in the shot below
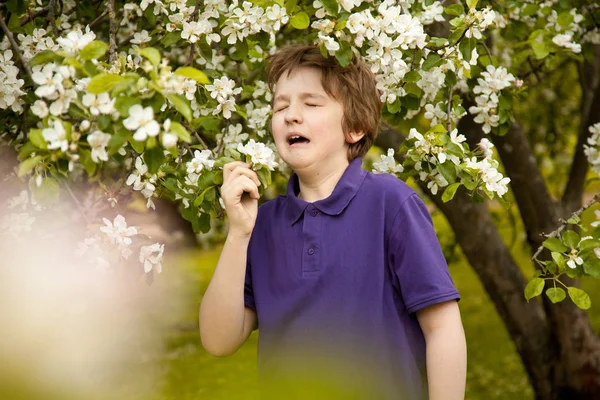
(183, 370)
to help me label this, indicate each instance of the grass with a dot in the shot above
(185, 371)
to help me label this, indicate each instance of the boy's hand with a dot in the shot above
(240, 195)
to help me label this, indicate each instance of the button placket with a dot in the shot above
(311, 230)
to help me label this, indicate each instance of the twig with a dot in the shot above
(200, 139)
(34, 15)
(488, 54)
(100, 17)
(15, 47)
(554, 234)
(51, 15)
(195, 15)
(449, 110)
(77, 203)
(114, 28)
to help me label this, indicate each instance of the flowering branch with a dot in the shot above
(51, 15)
(34, 15)
(15, 47)
(576, 214)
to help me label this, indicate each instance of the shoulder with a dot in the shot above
(389, 188)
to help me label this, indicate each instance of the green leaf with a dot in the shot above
(466, 47)
(137, 146)
(472, 4)
(182, 105)
(534, 288)
(591, 265)
(448, 171)
(27, 165)
(290, 6)
(93, 50)
(241, 51)
(574, 220)
(152, 54)
(44, 57)
(450, 192)
(331, 6)
(554, 244)
(264, 176)
(85, 157)
(580, 298)
(454, 9)
(204, 222)
(154, 158)
(36, 137)
(193, 73)
(529, 10)
(589, 244)
(300, 20)
(433, 60)
(221, 161)
(565, 19)
(118, 140)
(103, 83)
(570, 239)
(124, 103)
(556, 295)
(180, 131)
(191, 214)
(538, 44)
(412, 76)
(47, 193)
(207, 123)
(344, 54)
(170, 38)
(559, 260)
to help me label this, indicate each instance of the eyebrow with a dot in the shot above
(304, 95)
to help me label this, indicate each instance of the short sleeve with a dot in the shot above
(248, 290)
(416, 258)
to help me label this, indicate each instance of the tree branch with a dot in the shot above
(113, 29)
(563, 223)
(15, 47)
(34, 15)
(590, 104)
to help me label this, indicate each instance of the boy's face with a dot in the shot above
(302, 108)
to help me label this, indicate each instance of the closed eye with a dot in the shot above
(280, 108)
(313, 105)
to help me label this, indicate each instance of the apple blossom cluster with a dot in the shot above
(119, 237)
(592, 148)
(488, 90)
(141, 180)
(224, 91)
(10, 84)
(259, 154)
(387, 164)
(17, 219)
(56, 84)
(231, 136)
(440, 158)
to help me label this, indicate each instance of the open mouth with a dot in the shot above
(297, 139)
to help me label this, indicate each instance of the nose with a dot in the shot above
(293, 115)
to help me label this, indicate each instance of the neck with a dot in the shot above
(320, 185)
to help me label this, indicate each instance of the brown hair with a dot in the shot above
(352, 86)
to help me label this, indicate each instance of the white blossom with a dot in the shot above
(40, 109)
(151, 257)
(387, 164)
(98, 141)
(100, 104)
(117, 231)
(202, 159)
(141, 120)
(76, 40)
(56, 136)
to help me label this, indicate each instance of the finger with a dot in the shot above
(227, 168)
(244, 184)
(241, 171)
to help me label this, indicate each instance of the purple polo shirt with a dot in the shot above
(336, 283)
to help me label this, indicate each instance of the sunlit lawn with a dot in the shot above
(186, 371)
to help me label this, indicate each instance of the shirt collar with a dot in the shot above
(344, 191)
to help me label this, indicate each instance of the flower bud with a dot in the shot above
(85, 125)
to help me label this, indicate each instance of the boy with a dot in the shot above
(344, 273)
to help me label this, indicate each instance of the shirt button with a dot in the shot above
(314, 213)
(311, 251)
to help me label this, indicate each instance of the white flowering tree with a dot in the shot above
(165, 92)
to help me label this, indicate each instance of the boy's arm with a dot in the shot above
(446, 350)
(225, 322)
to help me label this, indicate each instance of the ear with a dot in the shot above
(354, 137)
